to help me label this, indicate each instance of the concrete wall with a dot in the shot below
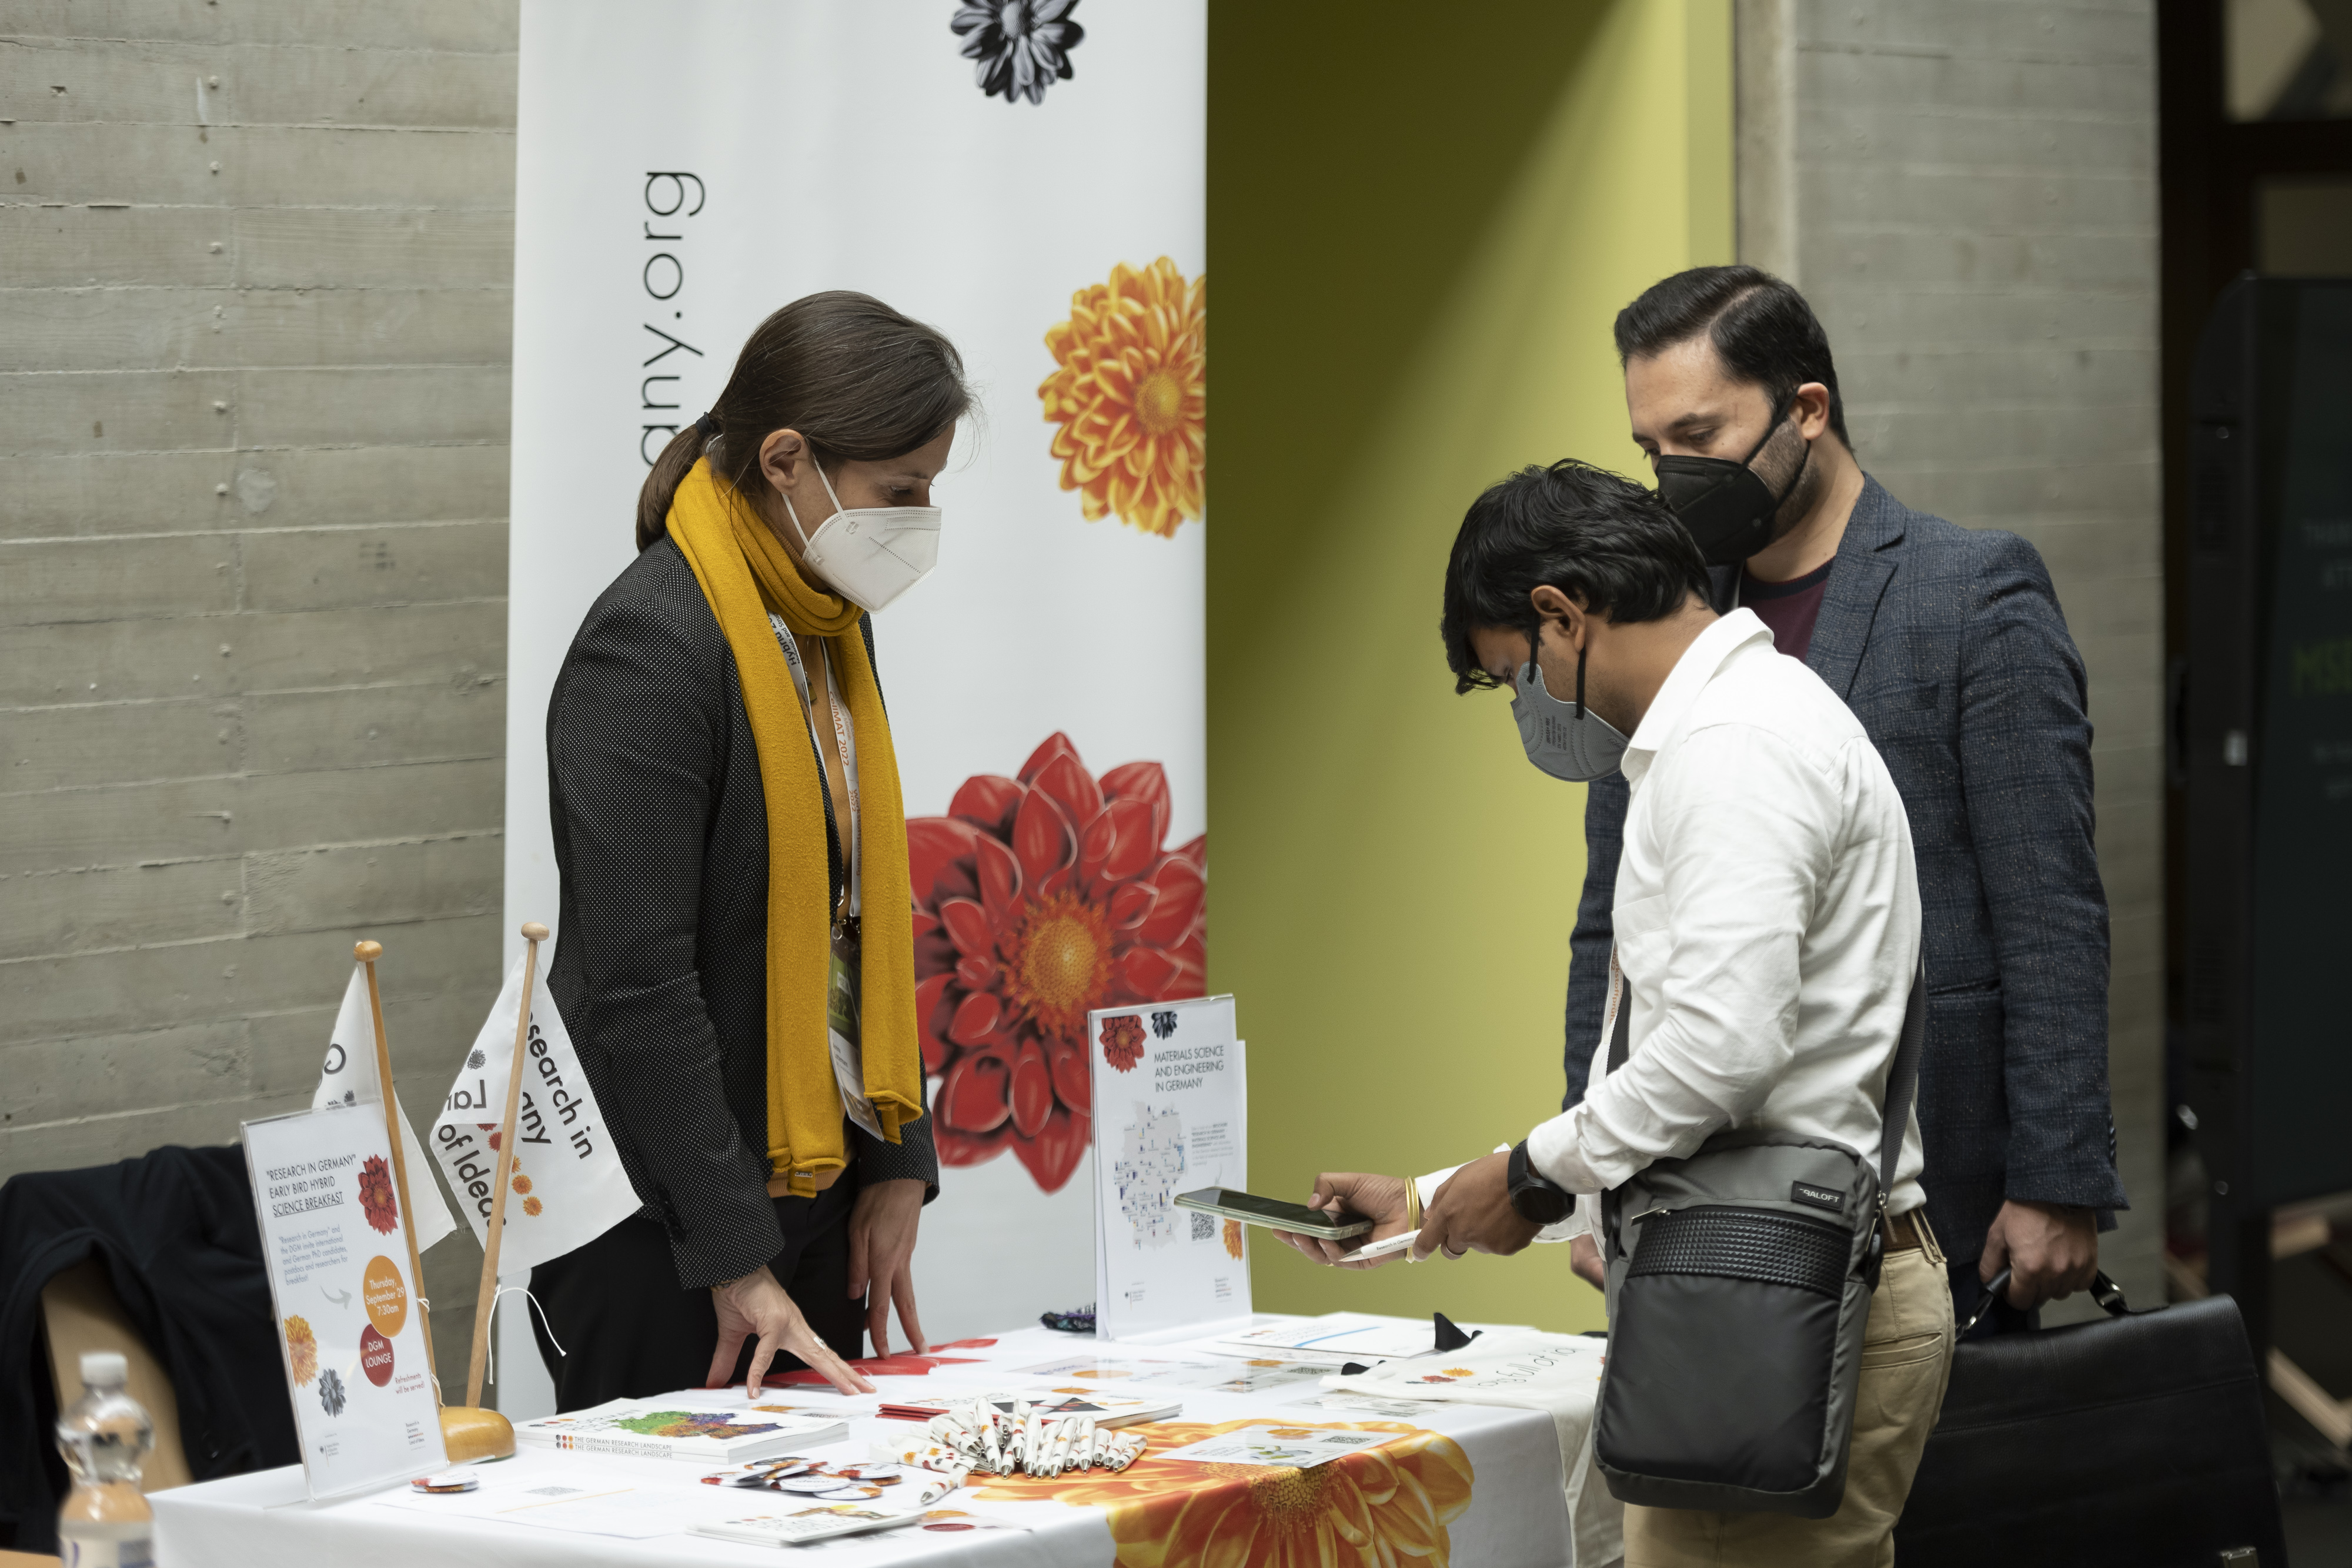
(1966, 190)
(255, 291)
(253, 415)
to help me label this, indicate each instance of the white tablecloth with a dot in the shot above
(1479, 1485)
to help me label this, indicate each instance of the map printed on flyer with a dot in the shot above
(334, 1238)
(1170, 1102)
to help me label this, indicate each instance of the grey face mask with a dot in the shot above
(1567, 740)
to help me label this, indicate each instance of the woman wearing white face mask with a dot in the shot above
(734, 954)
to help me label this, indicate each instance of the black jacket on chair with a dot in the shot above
(177, 1234)
(661, 839)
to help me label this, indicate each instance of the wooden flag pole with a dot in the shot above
(367, 953)
(534, 934)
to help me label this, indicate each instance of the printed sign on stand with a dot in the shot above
(334, 1239)
(1170, 1101)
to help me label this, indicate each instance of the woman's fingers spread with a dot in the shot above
(760, 1360)
(877, 1312)
(722, 1358)
(820, 1359)
(902, 1293)
(858, 1278)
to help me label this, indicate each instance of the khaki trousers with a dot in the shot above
(1906, 1358)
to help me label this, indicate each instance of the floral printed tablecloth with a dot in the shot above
(1450, 1486)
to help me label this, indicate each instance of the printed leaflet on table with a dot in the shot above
(1107, 1409)
(1302, 1447)
(818, 1523)
(681, 1429)
(334, 1242)
(1334, 1337)
(1171, 1102)
(1208, 1376)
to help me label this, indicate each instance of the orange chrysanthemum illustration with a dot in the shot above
(1131, 394)
(1373, 1509)
(303, 1350)
(375, 1194)
(1234, 1239)
(1122, 1042)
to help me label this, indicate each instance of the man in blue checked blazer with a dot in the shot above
(1949, 645)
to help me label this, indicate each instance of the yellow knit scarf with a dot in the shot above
(744, 570)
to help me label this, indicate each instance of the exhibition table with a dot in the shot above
(1450, 1484)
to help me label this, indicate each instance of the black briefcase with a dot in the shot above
(2137, 1440)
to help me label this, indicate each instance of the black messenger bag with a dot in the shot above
(1740, 1281)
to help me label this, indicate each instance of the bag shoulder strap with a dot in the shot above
(1902, 1078)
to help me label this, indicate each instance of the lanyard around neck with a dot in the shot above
(844, 740)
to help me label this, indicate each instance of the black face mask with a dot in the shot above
(1726, 506)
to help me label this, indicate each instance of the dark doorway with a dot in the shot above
(2255, 150)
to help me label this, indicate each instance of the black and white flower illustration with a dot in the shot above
(1023, 46)
(331, 1392)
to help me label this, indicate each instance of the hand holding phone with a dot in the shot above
(1275, 1214)
(1382, 1198)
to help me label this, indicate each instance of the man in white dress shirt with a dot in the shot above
(1766, 919)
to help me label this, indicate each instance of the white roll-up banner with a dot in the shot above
(1027, 176)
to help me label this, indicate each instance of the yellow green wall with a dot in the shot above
(1422, 221)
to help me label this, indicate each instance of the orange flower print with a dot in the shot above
(1038, 900)
(532, 1206)
(375, 1194)
(1373, 1509)
(1234, 1239)
(1131, 395)
(1122, 1042)
(301, 1350)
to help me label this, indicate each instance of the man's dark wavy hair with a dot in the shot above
(1761, 329)
(1593, 535)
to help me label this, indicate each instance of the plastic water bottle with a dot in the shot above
(106, 1522)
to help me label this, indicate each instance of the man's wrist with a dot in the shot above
(1534, 1197)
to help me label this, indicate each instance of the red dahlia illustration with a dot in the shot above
(1122, 1042)
(1038, 899)
(375, 1194)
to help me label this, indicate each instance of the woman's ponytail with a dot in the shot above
(668, 472)
(856, 378)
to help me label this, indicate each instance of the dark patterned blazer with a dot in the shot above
(661, 839)
(1949, 645)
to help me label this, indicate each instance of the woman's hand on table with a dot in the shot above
(882, 1259)
(756, 1304)
(1379, 1198)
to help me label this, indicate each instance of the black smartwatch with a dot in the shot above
(1534, 1198)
